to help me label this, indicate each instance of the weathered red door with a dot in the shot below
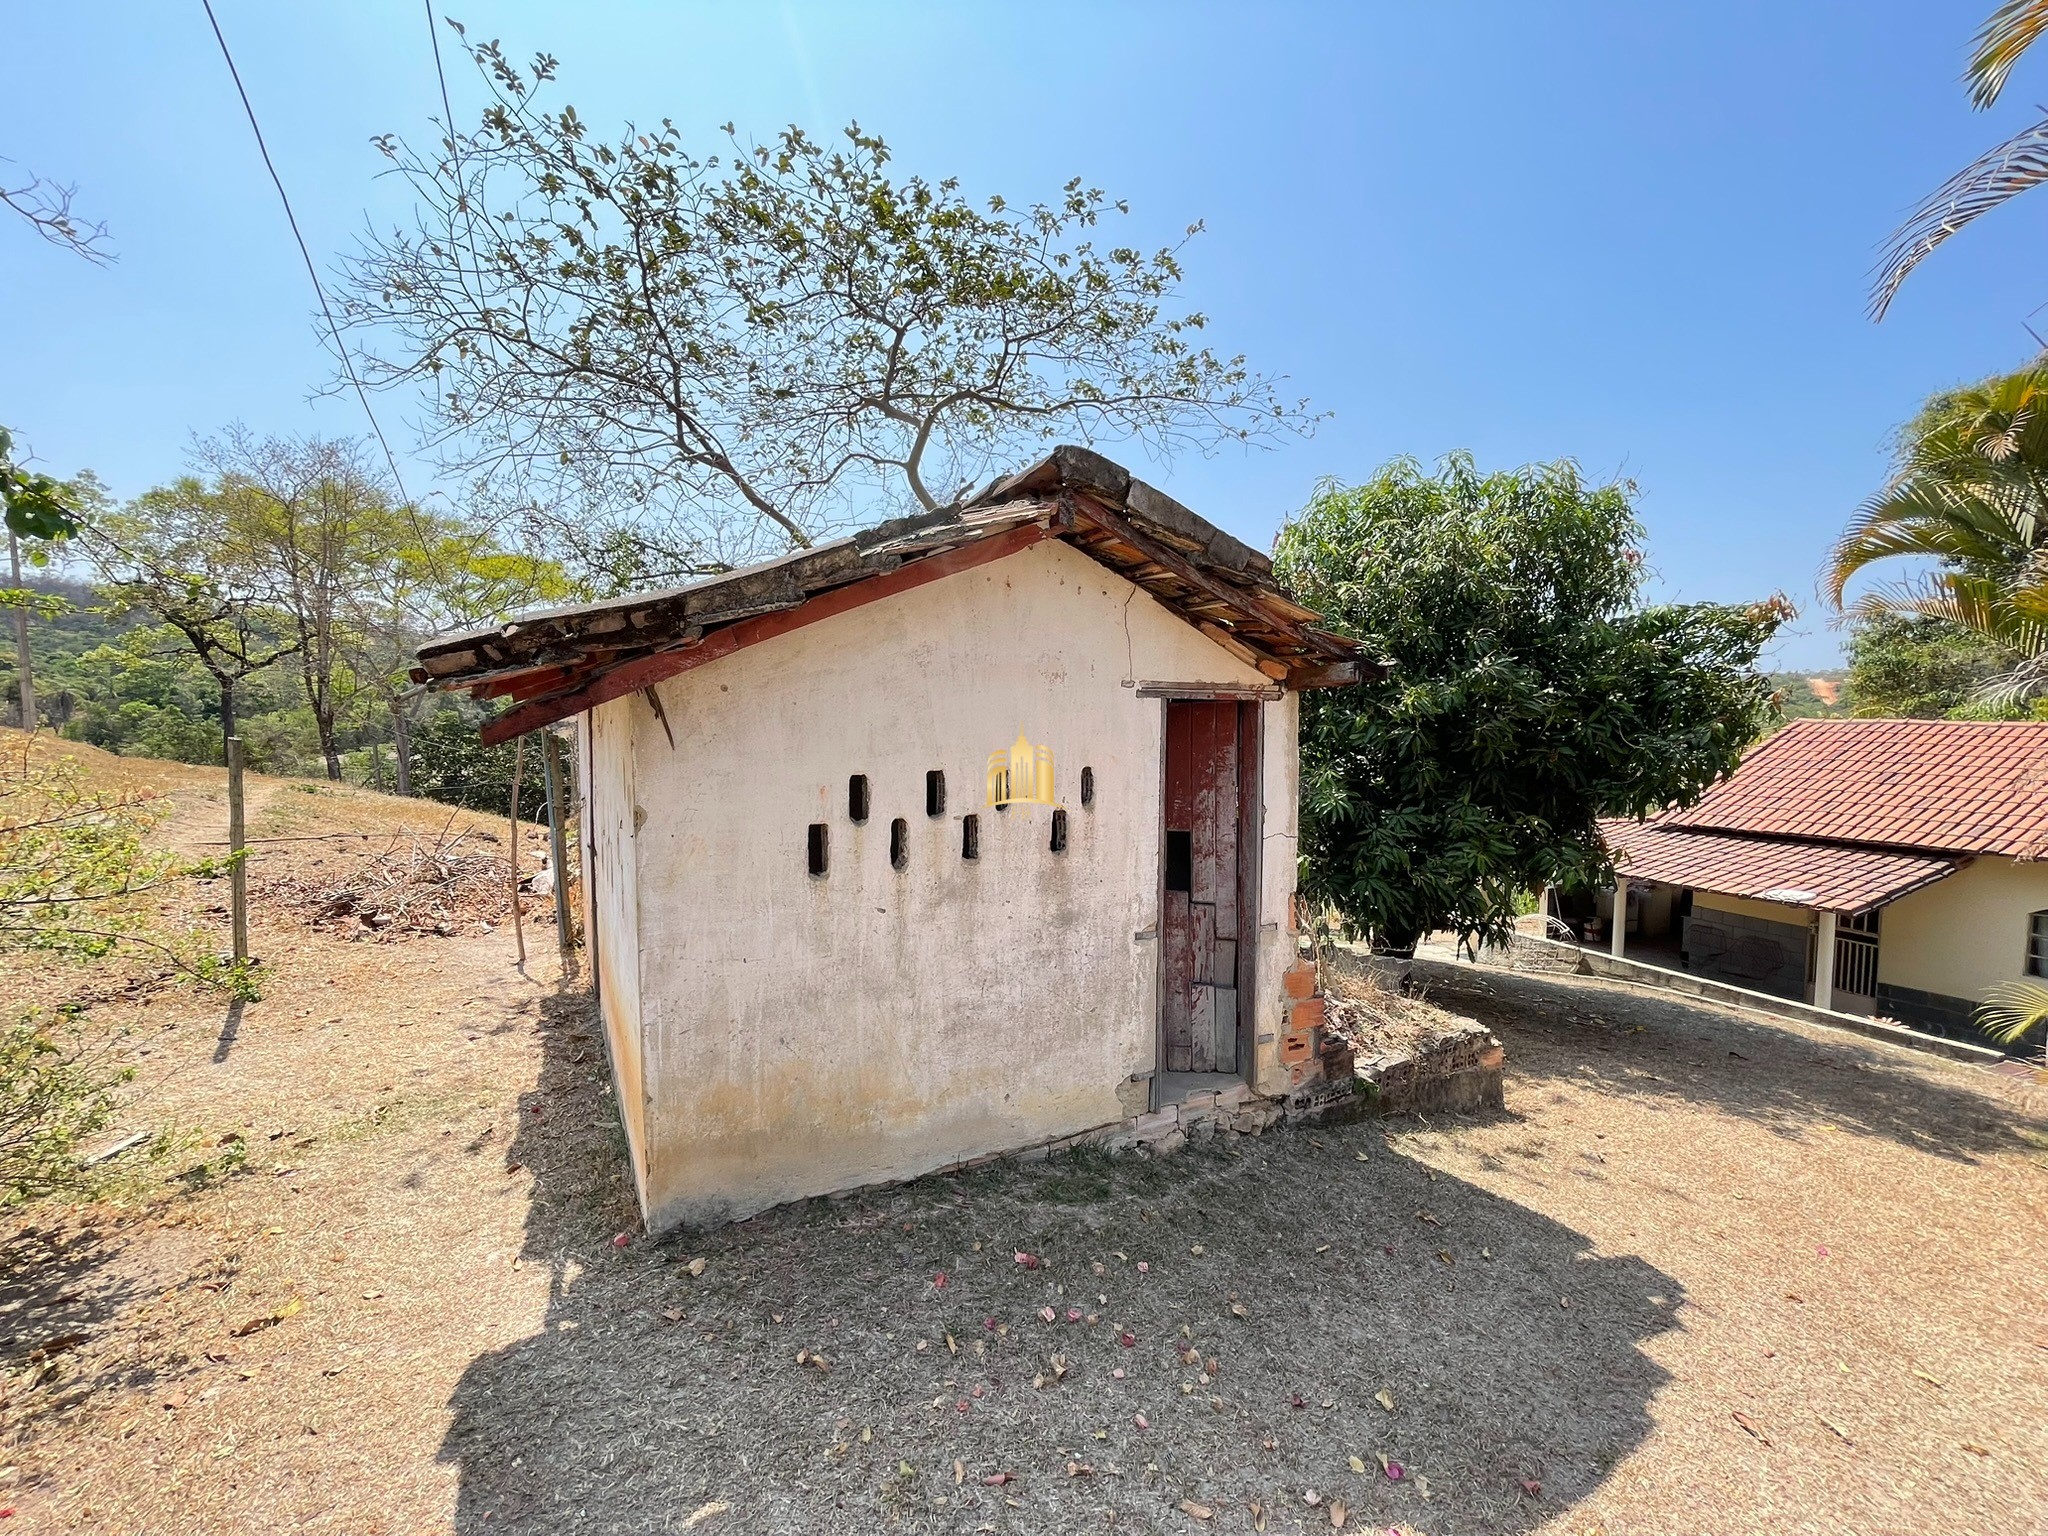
(1209, 919)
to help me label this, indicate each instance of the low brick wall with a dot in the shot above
(1457, 1073)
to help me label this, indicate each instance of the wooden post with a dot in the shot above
(1618, 940)
(21, 656)
(238, 873)
(551, 763)
(518, 768)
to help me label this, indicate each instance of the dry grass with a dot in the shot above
(1568, 1305)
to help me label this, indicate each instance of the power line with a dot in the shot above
(333, 330)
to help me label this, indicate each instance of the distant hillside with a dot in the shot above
(1812, 695)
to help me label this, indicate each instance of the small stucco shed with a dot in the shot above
(974, 832)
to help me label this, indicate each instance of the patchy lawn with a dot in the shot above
(1706, 1275)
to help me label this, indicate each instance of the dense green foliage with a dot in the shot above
(1924, 668)
(451, 764)
(1528, 694)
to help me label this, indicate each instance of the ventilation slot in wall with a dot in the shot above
(899, 843)
(970, 837)
(818, 848)
(857, 797)
(1087, 789)
(1059, 831)
(935, 792)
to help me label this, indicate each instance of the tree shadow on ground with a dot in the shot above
(1657, 1046)
(60, 1283)
(820, 1375)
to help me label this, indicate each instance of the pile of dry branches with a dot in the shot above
(449, 885)
(1373, 1016)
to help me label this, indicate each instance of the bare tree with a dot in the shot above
(315, 518)
(728, 347)
(46, 205)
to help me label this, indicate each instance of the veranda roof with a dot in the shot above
(1826, 876)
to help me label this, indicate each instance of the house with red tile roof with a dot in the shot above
(1890, 867)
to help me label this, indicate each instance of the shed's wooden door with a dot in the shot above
(1209, 920)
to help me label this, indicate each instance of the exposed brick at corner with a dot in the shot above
(1305, 1015)
(1299, 982)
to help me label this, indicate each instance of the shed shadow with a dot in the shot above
(1316, 1269)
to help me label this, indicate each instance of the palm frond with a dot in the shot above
(2009, 32)
(1992, 525)
(2013, 1008)
(2019, 163)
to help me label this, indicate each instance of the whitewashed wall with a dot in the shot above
(611, 870)
(798, 1035)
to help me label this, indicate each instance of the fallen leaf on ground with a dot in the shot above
(696, 1267)
(258, 1324)
(959, 1473)
(1357, 1465)
(1339, 1513)
(705, 1512)
(1839, 1432)
(1195, 1511)
(1934, 1381)
(1531, 1487)
(1141, 1421)
(1975, 1449)
(1384, 1398)
(1751, 1427)
(1028, 1260)
(997, 1479)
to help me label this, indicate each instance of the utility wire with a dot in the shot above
(313, 272)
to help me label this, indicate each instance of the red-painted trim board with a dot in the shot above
(646, 671)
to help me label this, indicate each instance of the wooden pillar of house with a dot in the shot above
(1824, 960)
(1618, 940)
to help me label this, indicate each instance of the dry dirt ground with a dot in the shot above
(1704, 1275)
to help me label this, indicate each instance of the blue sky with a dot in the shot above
(1635, 235)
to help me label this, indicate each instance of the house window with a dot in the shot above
(935, 792)
(817, 849)
(899, 843)
(970, 837)
(1059, 831)
(2037, 944)
(857, 797)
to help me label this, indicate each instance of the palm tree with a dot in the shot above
(1991, 180)
(1969, 493)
